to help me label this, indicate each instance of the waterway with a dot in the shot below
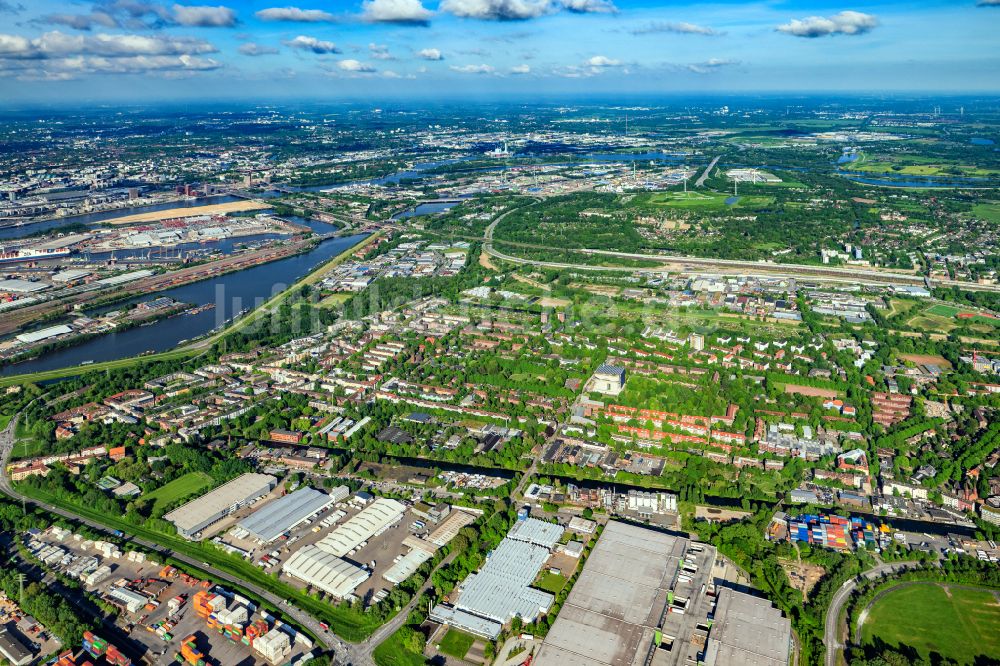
(231, 294)
(94, 218)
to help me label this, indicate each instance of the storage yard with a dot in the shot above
(168, 615)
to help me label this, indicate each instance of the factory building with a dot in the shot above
(215, 505)
(501, 590)
(649, 597)
(282, 515)
(44, 334)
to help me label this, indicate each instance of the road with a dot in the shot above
(708, 170)
(831, 632)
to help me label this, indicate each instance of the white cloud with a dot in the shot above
(473, 69)
(590, 6)
(520, 69)
(254, 49)
(711, 65)
(395, 11)
(81, 21)
(304, 43)
(295, 14)
(380, 51)
(56, 44)
(603, 61)
(351, 65)
(499, 10)
(204, 16)
(844, 23)
(430, 54)
(682, 28)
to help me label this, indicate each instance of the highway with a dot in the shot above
(711, 266)
(831, 632)
(708, 170)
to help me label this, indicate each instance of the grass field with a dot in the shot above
(399, 650)
(182, 486)
(943, 310)
(705, 200)
(456, 644)
(959, 624)
(551, 582)
(987, 211)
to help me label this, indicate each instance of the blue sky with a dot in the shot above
(151, 49)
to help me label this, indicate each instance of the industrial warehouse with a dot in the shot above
(321, 564)
(501, 590)
(284, 514)
(649, 597)
(193, 517)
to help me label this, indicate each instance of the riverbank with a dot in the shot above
(240, 206)
(185, 348)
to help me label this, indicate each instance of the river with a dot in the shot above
(94, 218)
(230, 293)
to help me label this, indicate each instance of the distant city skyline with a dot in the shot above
(133, 50)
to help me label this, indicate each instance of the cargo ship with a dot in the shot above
(29, 254)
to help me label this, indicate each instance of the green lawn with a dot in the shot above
(400, 649)
(456, 643)
(987, 211)
(183, 486)
(959, 624)
(551, 582)
(943, 310)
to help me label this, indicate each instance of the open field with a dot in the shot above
(398, 651)
(925, 359)
(705, 200)
(189, 484)
(170, 213)
(957, 623)
(812, 391)
(987, 211)
(456, 643)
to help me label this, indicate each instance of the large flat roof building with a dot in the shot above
(640, 584)
(215, 505)
(283, 514)
(12, 649)
(501, 589)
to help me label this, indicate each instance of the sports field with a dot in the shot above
(182, 486)
(957, 623)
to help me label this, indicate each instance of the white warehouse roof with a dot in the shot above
(284, 514)
(22, 286)
(538, 532)
(321, 569)
(406, 566)
(216, 504)
(45, 333)
(372, 520)
(126, 277)
(501, 590)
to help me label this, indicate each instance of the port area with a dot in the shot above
(65, 299)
